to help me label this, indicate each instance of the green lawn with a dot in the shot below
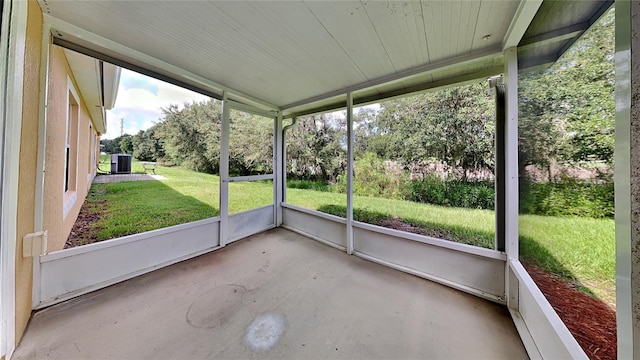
(575, 248)
(136, 206)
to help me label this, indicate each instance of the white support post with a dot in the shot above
(627, 178)
(278, 184)
(350, 166)
(224, 171)
(284, 164)
(511, 172)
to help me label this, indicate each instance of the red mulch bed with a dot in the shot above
(592, 322)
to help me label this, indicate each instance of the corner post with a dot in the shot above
(278, 169)
(350, 168)
(224, 171)
(511, 173)
(496, 85)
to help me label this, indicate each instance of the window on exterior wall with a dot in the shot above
(71, 148)
(95, 151)
(90, 149)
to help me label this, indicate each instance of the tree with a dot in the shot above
(567, 111)
(316, 148)
(111, 146)
(191, 135)
(540, 132)
(147, 146)
(365, 131)
(126, 144)
(250, 144)
(454, 126)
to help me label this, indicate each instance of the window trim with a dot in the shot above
(90, 152)
(68, 188)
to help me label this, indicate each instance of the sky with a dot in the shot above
(140, 100)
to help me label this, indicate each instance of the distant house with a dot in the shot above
(80, 90)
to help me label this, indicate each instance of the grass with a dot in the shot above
(131, 207)
(583, 247)
(579, 249)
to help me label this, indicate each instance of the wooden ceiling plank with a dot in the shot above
(397, 28)
(350, 26)
(432, 13)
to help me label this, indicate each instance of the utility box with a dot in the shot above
(120, 164)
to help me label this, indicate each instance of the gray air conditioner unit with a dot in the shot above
(120, 164)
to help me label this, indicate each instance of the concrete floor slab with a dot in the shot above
(101, 179)
(275, 295)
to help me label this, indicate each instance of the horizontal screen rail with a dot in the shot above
(251, 178)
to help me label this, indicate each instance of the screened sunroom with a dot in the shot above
(284, 280)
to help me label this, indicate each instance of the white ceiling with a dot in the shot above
(299, 55)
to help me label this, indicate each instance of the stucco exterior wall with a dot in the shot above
(56, 222)
(28, 162)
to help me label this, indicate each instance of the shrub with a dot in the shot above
(373, 178)
(434, 190)
(569, 198)
(315, 185)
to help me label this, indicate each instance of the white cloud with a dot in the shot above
(140, 100)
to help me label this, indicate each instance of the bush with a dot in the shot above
(372, 178)
(434, 190)
(308, 185)
(569, 198)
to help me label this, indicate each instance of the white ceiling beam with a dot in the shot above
(565, 33)
(456, 81)
(525, 13)
(446, 83)
(537, 63)
(402, 76)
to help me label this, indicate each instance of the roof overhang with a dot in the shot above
(97, 83)
(557, 26)
(303, 57)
